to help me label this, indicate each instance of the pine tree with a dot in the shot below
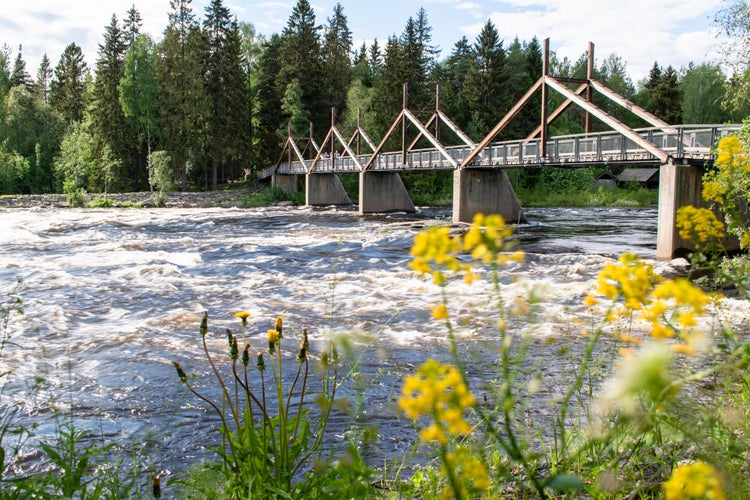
(4, 71)
(665, 101)
(68, 83)
(456, 67)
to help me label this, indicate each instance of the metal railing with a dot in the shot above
(693, 142)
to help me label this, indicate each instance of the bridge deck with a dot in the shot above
(684, 143)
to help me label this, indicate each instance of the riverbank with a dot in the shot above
(200, 199)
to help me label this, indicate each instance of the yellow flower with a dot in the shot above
(699, 225)
(278, 326)
(470, 474)
(696, 480)
(273, 336)
(438, 391)
(440, 312)
(243, 315)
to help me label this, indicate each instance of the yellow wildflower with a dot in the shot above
(243, 315)
(699, 225)
(470, 474)
(438, 391)
(273, 336)
(440, 312)
(694, 481)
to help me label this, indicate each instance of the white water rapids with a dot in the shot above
(113, 296)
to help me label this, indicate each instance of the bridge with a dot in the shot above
(480, 180)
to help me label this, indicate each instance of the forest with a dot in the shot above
(213, 99)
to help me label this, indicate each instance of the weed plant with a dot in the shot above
(652, 428)
(270, 440)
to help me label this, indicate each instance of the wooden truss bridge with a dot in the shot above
(480, 181)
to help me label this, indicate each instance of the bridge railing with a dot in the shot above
(683, 141)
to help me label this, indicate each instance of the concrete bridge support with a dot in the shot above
(680, 185)
(286, 182)
(486, 191)
(325, 189)
(383, 192)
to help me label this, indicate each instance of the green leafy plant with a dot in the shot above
(269, 437)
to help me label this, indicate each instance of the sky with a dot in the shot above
(640, 32)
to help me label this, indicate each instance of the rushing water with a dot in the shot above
(112, 297)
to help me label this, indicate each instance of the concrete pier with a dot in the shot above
(486, 191)
(383, 192)
(325, 189)
(286, 182)
(680, 185)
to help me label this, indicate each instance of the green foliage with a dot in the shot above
(100, 202)
(294, 111)
(161, 166)
(271, 195)
(14, 171)
(81, 165)
(268, 435)
(76, 197)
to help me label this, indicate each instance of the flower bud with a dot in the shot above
(261, 364)
(204, 324)
(234, 350)
(303, 347)
(246, 356)
(180, 372)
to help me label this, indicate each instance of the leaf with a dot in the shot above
(565, 482)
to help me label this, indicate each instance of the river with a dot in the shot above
(113, 296)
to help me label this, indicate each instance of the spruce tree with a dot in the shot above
(107, 118)
(227, 139)
(131, 26)
(300, 55)
(68, 84)
(19, 76)
(486, 82)
(337, 65)
(269, 120)
(182, 98)
(43, 77)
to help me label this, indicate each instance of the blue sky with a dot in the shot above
(672, 32)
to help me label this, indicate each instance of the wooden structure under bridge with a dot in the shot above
(481, 184)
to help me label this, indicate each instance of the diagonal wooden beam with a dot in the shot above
(454, 128)
(318, 155)
(387, 136)
(616, 125)
(347, 148)
(637, 110)
(503, 123)
(426, 133)
(557, 112)
(419, 135)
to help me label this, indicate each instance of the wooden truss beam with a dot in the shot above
(503, 123)
(614, 123)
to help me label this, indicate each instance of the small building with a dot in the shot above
(605, 180)
(646, 177)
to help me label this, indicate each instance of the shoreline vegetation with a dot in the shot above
(249, 196)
